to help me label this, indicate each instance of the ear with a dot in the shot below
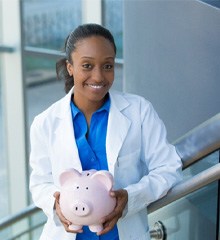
(88, 172)
(69, 176)
(69, 68)
(104, 177)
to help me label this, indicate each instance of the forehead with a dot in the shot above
(94, 44)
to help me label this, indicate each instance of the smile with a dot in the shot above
(95, 86)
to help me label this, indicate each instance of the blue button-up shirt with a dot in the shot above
(92, 153)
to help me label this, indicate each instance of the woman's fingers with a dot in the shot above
(66, 223)
(110, 220)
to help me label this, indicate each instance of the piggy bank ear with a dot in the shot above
(104, 177)
(69, 176)
(88, 172)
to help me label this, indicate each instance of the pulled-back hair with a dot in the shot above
(80, 33)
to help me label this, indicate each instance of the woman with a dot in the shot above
(94, 127)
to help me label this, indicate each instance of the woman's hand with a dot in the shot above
(110, 220)
(63, 220)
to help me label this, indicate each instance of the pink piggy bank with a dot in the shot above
(85, 198)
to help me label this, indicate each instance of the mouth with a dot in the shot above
(96, 86)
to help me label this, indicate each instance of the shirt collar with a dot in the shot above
(104, 107)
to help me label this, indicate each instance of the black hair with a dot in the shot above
(81, 32)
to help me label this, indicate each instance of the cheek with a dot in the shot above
(111, 77)
(80, 76)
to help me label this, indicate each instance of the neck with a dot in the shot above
(86, 106)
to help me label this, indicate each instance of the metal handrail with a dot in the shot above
(202, 146)
(199, 142)
(26, 212)
(17, 236)
(186, 187)
(195, 145)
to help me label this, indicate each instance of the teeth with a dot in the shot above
(95, 86)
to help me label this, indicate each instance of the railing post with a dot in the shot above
(158, 232)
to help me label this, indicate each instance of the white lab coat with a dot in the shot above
(138, 154)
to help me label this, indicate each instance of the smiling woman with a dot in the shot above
(92, 69)
(89, 66)
(95, 127)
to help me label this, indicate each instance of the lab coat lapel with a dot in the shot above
(118, 126)
(64, 132)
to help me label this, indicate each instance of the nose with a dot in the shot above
(97, 74)
(81, 209)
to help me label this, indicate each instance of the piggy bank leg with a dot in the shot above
(75, 227)
(96, 228)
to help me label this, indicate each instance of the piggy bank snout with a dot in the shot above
(81, 209)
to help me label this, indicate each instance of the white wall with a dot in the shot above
(172, 57)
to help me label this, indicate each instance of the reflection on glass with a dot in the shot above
(112, 19)
(47, 23)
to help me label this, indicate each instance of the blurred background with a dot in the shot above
(168, 52)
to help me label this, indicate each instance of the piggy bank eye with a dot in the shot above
(87, 174)
(77, 187)
(87, 188)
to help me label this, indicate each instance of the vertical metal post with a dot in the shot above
(13, 102)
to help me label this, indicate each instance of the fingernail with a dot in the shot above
(112, 194)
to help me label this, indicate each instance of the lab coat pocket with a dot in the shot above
(128, 169)
(126, 160)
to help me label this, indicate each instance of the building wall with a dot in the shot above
(172, 57)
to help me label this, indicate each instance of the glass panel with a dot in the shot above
(202, 165)
(193, 217)
(47, 23)
(37, 222)
(118, 82)
(29, 228)
(112, 19)
(42, 88)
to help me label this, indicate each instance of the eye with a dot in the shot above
(108, 66)
(88, 174)
(87, 66)
(87, 188)
(77, 187)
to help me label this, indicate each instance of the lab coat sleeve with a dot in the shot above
(41, 179)
(161, 161)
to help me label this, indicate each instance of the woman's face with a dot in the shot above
(92, 69)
